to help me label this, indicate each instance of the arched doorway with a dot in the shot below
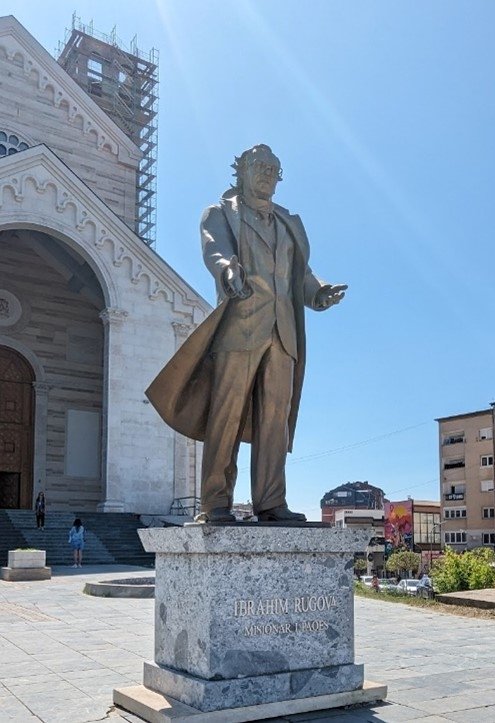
(16, 430)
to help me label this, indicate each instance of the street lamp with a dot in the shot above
(432, 535)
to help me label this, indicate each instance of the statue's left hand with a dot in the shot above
(329, 295)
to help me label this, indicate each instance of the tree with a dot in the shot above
(360, 564)
(403, 561)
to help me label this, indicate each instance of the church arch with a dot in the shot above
(63, 340)
(30, 222)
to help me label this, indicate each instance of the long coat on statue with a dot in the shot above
(182, 390)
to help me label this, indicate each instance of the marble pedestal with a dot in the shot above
(250, 614)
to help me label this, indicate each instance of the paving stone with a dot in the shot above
(54, 688)
(454, 703)
(13, 709)
(474, 715)
(389, 713)
(411, 649)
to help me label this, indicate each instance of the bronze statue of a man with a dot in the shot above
(239, 375)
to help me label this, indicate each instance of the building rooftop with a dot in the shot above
(433, 503)
(464, 416)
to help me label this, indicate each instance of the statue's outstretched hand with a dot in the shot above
(235, 279)
(329, 295)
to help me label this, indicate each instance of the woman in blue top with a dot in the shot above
(76, 541)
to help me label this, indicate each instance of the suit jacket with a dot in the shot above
(282, 286)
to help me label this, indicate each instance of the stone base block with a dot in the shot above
(27, 558)
(157, 708)
(22, 574)
(210, 695)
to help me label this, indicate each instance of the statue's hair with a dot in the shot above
(241, 162)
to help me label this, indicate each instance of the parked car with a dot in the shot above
(366, 580)
(387, 585)
(408, 586)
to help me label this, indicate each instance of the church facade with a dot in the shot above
(88, 312)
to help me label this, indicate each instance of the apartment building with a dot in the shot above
(466, 480)
(351, 495)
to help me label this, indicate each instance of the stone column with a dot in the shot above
(41, 390)
(113, 390)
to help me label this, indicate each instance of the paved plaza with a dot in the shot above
(63, 652)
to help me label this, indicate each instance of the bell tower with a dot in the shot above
(124, 83)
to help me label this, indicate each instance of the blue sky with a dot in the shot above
(383, 115)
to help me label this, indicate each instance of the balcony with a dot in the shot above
(454, 439)
(454, 464)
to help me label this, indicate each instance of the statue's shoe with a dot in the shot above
(280, 514)
(217, 514)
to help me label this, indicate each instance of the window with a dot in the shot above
(489, 538)
(454, 492)
(452, 487)
(10, 144)
(455, 538)
(486, 460)
(453, 438)
(455, 513)
(488, 513)
(95, 68)
(453, 463)
(426, 527)
(485, 433)
(487, 485)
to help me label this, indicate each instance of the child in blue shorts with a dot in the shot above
(76, 541)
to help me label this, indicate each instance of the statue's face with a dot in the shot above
(261, 176)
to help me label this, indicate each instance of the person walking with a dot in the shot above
(76, 541)
(39, 508)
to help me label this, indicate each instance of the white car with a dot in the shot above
(366, 580)
(387, 585)
(408, 587)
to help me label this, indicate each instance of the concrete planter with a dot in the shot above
(27, 558)
(26, 565)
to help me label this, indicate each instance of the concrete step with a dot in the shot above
(110, 538)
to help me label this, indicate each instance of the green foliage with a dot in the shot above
(27, 549)
(360, 564)
(484, 553)
(471, 570)
(403, 561)
(448, 573)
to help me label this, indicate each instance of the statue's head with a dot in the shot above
(257, 172)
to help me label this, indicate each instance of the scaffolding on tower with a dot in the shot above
(124, 83)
